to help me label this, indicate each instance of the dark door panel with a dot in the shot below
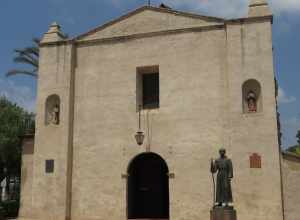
(148, 188)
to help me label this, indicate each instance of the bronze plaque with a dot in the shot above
(255, 161)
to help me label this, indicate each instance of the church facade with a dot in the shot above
(199, 82)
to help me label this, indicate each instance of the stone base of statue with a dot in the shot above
(223, 213)
(2, 213)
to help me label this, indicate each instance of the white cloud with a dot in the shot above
(283, 98)
(21, 95)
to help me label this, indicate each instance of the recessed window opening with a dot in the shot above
(148, 87)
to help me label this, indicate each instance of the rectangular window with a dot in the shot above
(151, 90)
(148, 87)
(49, 166)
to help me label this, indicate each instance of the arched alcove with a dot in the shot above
(148, 187)
(52, 110)
(252, 96)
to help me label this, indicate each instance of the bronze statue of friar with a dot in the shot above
(222, 191)
(223, 166)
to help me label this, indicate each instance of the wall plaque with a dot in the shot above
(49, 166)
(255, 161)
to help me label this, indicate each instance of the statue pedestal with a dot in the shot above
(223, 213)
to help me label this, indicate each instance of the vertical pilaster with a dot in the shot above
(54, 141)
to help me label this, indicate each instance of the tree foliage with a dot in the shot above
(14, 122)
(28, 56)
(296, 149)
(298, 137)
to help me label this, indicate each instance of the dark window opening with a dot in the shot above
(150, 90)
(49, 166)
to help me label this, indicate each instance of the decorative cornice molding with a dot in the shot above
(258, 4)
(250, 19)
(56, 43)
(150, 34)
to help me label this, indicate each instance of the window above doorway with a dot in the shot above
(148, 87)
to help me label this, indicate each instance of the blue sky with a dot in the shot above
(20, 21)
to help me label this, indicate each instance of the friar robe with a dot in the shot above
(224, 176)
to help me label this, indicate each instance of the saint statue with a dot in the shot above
(251, 102)
(223, 166)
(55, 115)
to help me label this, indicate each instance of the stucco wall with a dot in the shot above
(291, 185)
(27, 176)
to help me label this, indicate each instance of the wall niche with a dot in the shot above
(52, 114)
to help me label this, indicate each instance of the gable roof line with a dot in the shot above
(150, 34)
(143, 8)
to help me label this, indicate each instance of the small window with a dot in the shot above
(148, 87)
(49, 166)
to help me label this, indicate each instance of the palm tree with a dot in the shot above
(28, 56)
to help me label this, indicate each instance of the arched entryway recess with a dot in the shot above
(148, 187)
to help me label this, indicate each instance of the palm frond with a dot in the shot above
(32, 58)
(36, 41)
(26, 60)
(27, 55)
(33, 50)
(28, 51)
(23, 72)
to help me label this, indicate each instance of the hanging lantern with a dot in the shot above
(139, 136)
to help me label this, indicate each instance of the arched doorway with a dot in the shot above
(148, 188)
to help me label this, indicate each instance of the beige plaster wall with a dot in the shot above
(26, 176)
(291, 186)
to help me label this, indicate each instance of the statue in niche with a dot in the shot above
(251, 102)
(223, 166)
(55, 115)
(52, 110)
